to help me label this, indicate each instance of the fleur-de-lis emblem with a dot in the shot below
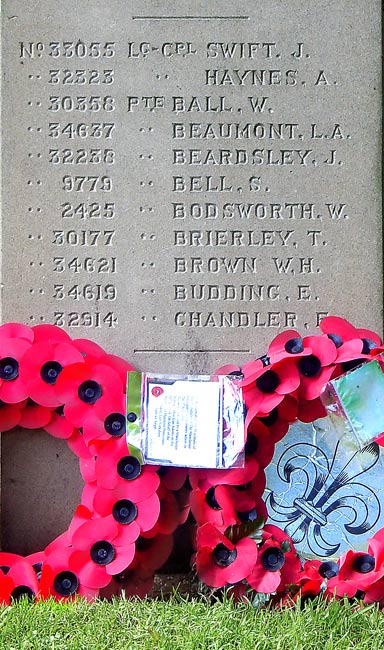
(320, 505)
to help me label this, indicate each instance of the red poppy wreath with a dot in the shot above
(122, 531)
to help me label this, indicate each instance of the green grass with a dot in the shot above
(187, 625)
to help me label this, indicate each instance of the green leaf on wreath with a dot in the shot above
(259, 600)
(252, 529)
(285, 546)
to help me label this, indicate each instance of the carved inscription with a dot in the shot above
(81, 156)
(185, 189)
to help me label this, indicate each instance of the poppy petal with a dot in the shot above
(90, 574)
(45, 333)
(16, 331)
(123, 559)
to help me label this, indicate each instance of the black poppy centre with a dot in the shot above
(309, 366)
(268, 382)
(252, 445)
(337, 340)
(211, 499)
(128, 468)
(294, 346)
(247, 515)
(102, 553)
(124, 511)
(114, 424)
(329, 570)
(66, 583)
(50, 371)
(21, 591)
(364, 563)
(89, 391)
(272, 559)
(224, 556)
(9, 369)
(270, 419)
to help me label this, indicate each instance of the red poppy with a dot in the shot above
(87, 496)
(214, 505)
(133, 508)
(310, 590)
(89, 349)
(36, 561)
(10, 415)
(173, 478)
(42, 365)
(45, 333)
(311, 410)
(265, 387)
(81, 515)
(183, 500)
(218, 561)
(76, 444)
(248, 501)
(277, 563)
(119, 364)
(97, 553)
(7, 560)
(171, 514)
(59, 427)
(354, 570)
(352, 343)
(310, 571)
(115, 466)
(6, 587)
(20, 580)
(173, 511)
(151, 553)
(128, 583)
(106, 421)
(226, 505)
(279, 419)
(12, 384)
(121, 532)
(235, 476)
(287, 344)
(315, 576)
(252, 490)
(376, 548)
(16, 331)
(316, 369)
(81, 385)
(259, 444)
(34, 416)
(375, 593)
(252, 370)
(255, 487)
(88, 469)
(359, 570)
(58, 581)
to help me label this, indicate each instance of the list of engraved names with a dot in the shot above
(184, 190)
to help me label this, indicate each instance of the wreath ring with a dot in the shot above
(122, 531)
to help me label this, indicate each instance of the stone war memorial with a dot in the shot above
(180, 185)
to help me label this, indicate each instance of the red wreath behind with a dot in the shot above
(122, 531)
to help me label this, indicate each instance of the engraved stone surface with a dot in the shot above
(179, 186)
(182, 186)
(325, 495)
